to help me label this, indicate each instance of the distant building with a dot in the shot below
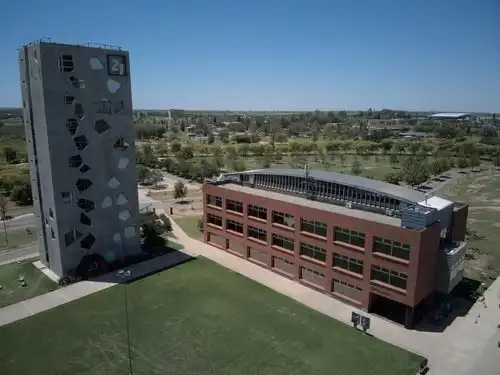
(450, 116)
(77, 108)
(415, 135)
(378, 246)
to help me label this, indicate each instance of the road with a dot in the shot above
(18, 254)
(21, 222)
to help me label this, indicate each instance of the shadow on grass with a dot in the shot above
(141, 269)
(446, 309)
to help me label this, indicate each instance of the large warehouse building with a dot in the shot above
(381, 247)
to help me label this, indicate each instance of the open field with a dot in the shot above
(197, 318)
(189, 225)
(482, 192)
(12, 291)
(16, 238)
(377, 167)
(16, 210)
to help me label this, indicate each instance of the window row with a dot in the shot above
(349, 236)
(392, 248)
(347, 263)
(394, 278)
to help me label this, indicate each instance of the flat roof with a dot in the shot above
(352, 212)
(449, 114)
(381, 187)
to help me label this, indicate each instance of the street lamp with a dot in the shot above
(124, 274)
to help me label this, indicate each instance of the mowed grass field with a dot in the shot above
(197, 318)
(377, 167)
(482, 192)
(12, 291)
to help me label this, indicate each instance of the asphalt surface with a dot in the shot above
(20, 222)
(18, 254)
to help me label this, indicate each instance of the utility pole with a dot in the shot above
(3, 213)
(123, 275)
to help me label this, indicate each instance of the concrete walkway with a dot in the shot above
(453, 351)
(81, 289)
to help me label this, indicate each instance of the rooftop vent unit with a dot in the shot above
(348, 204)
(389, 212)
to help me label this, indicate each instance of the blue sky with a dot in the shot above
(279, 54)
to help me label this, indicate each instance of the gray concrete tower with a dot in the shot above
(77, 105)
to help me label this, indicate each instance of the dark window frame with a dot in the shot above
(312, 252)
(258, 234)
(213, 200)
(279, 218)
(349, 236)
(234, 206)
(233, 226)
(390, 277)
(314, 227)
(257, 212)
(347, 263)
(282, 242)
(392, 248)
(214, 220)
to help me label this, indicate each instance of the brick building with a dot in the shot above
(381, 247)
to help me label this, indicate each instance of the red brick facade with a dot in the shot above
(419, 268)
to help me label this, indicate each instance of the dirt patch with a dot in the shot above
(190, 207)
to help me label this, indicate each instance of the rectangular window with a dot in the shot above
(257, 233)
(283, 242)
(394, 278)
(212, 200)
(214, 220)
(392, 248)
(283, 219)
(234, 226)
(313, 252)
(234, 206)
(347, 263)
(314, 227)
(349, 236)
(256, 211)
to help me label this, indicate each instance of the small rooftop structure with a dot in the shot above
(449, 115)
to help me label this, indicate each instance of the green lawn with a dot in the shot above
(189, 225)
(197, 318)
(12, 291)
(16, 238)
(482, 192)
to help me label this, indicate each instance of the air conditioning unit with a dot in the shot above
(389, 212)
(348, 204)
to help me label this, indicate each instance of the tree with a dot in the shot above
(416, 174)
(211, 138)
(10, 155)
(143, 173)
(180, 190)
(393, 178)
(3, 213)
(22, 194)
(356, 167)
(393, 159)
(474, 161)
(496, 161)
(156, 177)
(342, 158)
(462, 163)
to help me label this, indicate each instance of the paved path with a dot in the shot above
(81, 289)
(452, 352)
(16, 255)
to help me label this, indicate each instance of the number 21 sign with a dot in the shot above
(117, 65)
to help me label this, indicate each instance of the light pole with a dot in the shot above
(123, 275)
